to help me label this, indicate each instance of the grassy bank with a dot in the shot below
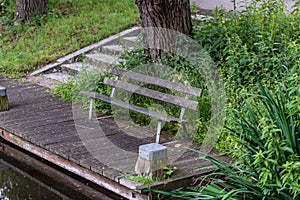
(68, 26)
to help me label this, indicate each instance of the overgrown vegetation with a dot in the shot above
(68, 26)
(267, 133)
(257, 51)
(250, 47)
(168, 171)
(258, 54)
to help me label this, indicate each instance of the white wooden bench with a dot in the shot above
(184, 103)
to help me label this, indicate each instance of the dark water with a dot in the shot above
(26, 177)
(15, 186)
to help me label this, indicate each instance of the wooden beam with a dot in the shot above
(156, 81)
(186, 103)
(72, 167)
(142, 110)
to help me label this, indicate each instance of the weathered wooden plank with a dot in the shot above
(45, 122)
(112, 174)
(58, 128)
(186, 103)
(93, 164)
(128, 142)
(26, 91)
(20, 109)
(65, 147)
(94, 146)
(51, 128)
(17, 101)
(72, 167)
(18, 114)
(20, 159)
(52, 137)
(31, 118)
(156, 81)
(15, 85)
(154, 114)
(29, 134)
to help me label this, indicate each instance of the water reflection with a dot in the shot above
(25, 177)
(15, 186)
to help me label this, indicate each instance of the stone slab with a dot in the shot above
(153, 151)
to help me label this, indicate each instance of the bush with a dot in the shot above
(268, 168)
(7, 11)
(260, 43)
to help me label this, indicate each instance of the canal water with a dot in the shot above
(26, 177)
(15, 185)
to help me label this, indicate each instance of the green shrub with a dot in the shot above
(87, 80)
(268, 168)
(7, 11)
(259, 43)
(65, 90)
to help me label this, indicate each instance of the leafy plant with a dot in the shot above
(65, 91)
(269, 164)
(259, 43)
(168, 171)
(137, 178)
(7, 11)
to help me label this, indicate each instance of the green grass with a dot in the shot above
(69, 26)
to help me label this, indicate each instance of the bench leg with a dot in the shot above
(91, 108)
(158, 131)
(184, 130)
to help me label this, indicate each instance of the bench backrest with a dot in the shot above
(146, 79)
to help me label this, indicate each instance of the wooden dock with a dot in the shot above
(60, 132)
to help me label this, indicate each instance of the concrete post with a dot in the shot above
(151, 161)
(3, 99)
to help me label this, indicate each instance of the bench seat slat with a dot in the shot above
(142, 110)
(186, 103)
(156, 81)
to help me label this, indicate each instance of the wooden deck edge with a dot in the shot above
(19, 159)
(182, 181)
(73, 167)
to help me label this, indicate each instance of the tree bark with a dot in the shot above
(26, 9)
(163, 14)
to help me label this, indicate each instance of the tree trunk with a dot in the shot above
(26, 9)
(163, 14)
